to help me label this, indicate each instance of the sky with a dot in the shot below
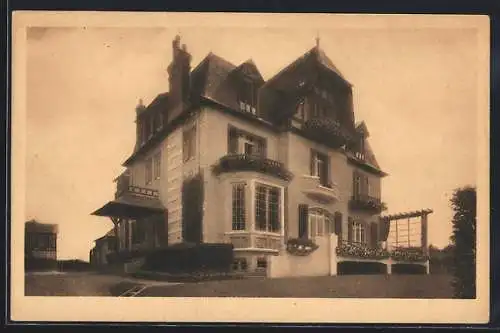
(416, 89)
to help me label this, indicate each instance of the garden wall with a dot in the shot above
(321, 262)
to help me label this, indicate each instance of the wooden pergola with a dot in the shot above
(422, 214)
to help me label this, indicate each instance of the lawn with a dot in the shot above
(359, 286)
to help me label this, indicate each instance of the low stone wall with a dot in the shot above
(321, 262)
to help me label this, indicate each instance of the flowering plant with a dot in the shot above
(300, 246)
(409, 254)
(357, 250)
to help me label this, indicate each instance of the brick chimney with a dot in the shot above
(178, 72)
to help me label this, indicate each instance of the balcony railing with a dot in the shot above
(361, 251)
(326, 130)
(356, 250)
(123, 186)
(367, 203)
(411, 254)
(244, 162)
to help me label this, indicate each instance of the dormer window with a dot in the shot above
(247, 96)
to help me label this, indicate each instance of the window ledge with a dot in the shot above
(255, 249)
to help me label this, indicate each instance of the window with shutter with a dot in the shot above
(303, 220)
(338, 224)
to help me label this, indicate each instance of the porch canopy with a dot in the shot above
(131, 207)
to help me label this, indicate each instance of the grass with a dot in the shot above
(73, 284)
(345, 286)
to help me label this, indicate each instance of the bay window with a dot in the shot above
(238, 203)
(267, 208)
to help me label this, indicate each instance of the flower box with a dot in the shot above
(301, 246)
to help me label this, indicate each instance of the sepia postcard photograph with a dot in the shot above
(223, 167)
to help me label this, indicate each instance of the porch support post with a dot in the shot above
(423, 233)
(408, 224)
(389, 267)
(282, 218)
(117, 237)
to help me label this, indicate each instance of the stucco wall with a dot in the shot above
(341, 175)
(321, 262)
(299, 165)
(289, 148)
(213, 145)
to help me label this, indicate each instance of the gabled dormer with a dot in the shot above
(247, 81)
(309, 88)
(360, 152)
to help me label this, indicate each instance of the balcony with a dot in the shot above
(244, 162)
(326, 130)
(366, 203)
(327, 191)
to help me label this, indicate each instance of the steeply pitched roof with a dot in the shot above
(110, 233)
(318, 55)
(208, 76)
(362, 129)
(370, 155)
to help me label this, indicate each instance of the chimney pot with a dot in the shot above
(176, 42)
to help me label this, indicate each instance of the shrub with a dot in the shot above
(464, 242)
(188, 258)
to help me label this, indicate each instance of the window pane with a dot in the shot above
(149, 171)
(320, 221)
(260, 208)
(189, 143)
(274, 209)
(238, 207)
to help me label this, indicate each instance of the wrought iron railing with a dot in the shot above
(366, 202)
(123, 186)
(327, 130)
(244, 162)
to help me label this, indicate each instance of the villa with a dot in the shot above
(278, 168)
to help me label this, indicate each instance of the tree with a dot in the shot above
(463, 240)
